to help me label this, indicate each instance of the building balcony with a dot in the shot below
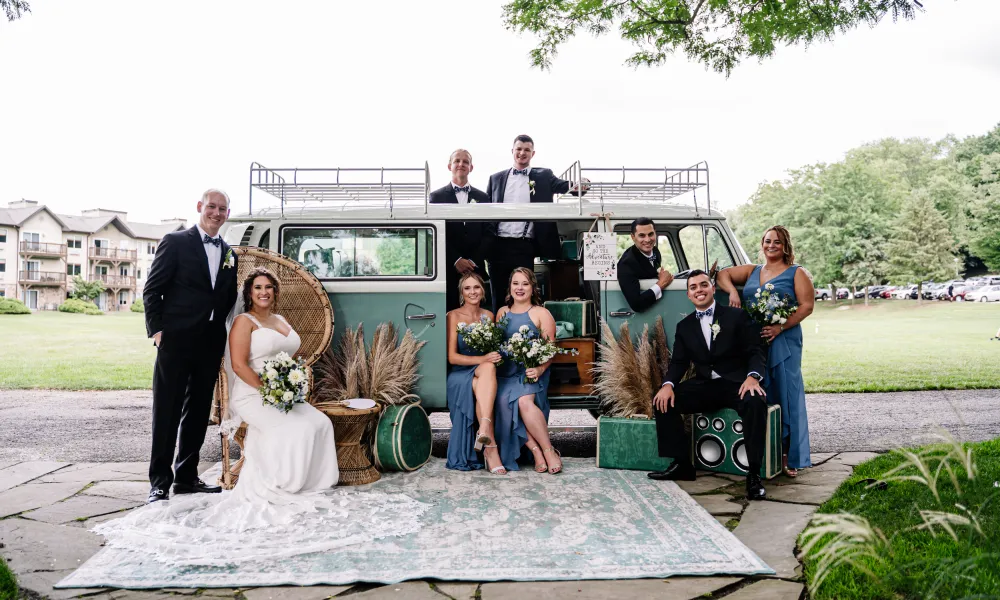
(112, 254)
(116, 282)
(56, 278)
(42, 249)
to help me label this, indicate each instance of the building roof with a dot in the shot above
(16, 216)
(154, 231)
(87, 224)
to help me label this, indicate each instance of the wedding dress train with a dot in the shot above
(284, 503)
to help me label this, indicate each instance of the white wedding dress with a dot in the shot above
(284, 503)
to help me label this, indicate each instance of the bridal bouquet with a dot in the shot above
(283, 382)
(769, 308)
(485, 336)
(526, 348)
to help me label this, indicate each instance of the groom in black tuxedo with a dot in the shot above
(724, 346)
(188, 294)
(467, 243)
(642, 261)
(519, 242)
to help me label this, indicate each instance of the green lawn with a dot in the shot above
(898, 345)
(76, 352)
(8, 585)
(894, 345)
(913, 563)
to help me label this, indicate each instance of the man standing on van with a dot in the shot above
(519, 242)
(642, 261)
(467, 242)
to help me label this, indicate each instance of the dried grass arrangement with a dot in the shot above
(386, 372)
(629, 374)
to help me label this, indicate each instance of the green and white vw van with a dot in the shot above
(377, 245)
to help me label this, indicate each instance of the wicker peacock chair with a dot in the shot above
(306, 306)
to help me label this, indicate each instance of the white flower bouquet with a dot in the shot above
(485, 336)
(283, 382)
(529, 350)
(769, 308)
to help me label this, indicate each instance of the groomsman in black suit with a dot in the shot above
(467, 243)
(642, 261)
(188, 294)
(519, 242)
(724, 346)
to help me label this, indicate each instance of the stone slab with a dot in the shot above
(674, 588)
(801, 493)
(458, 590)
(79, 508)
(36, 546)
(24, 472)
(417, 590)
(139, 595)
(90, 474)
(771, 589)
(821, 457)
(316, 592)
(136, 468)
(771, 529)
(136, 491)
(719, 504)
(702, 484)
(854, 459)
(34, 495)
(93, 521)
(41, 582)
(827, 474)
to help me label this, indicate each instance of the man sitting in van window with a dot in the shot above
(519, 242)
(642, 261)
(467, 242)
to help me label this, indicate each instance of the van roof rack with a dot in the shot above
(388, 187)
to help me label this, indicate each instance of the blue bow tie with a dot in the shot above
(521, 172)
(215, 241)
(463, 188)
(704, 313)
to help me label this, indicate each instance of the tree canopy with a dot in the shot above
(716, 33)
(14, 9)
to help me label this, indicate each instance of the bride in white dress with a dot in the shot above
(283, 504)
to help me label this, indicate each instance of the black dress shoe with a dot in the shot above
(675, 472)
(197, 487)
(755, 489)
(156, 494)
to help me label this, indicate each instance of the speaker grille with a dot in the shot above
(740, 456)
(711, 451)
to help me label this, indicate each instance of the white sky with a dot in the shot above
(140, 106)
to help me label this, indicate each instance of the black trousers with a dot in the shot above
(508, 254)
(706, 395)
(187, 367)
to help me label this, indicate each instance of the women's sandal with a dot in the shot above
(501, 470)
(554, 470)
(539, 467)
(791, 473)
(481, 438)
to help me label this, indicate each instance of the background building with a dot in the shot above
(41, 251)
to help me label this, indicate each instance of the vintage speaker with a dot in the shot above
(719, 444)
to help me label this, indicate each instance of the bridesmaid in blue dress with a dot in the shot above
(783, 381)
(522, 409)
(472, 387)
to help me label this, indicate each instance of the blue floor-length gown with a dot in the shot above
(783, 381)
(462, 406)
(510, 431)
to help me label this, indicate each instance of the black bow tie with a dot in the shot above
(215, 241)
(463, 188)
(521, 172)
(704, 313)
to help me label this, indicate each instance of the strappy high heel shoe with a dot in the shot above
(500, 470)
(540, 467)
(481, 438)
(554, 470)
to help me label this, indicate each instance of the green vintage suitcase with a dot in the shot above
(719, 444)
(580, 313)
(403, 438)
(628, 444)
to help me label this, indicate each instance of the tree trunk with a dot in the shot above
(920, 294)
(854, 291)
(866, 295)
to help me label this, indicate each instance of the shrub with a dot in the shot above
(13, 306)
(138, 306)
(74, 305)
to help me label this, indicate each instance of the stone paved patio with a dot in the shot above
(47, 509)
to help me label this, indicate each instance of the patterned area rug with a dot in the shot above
(585, 523)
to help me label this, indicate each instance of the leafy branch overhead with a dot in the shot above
(14, 9)
(716, 33)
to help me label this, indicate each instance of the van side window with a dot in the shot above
(341, 252)
(717, 250)
(667, 259)
(693, 246)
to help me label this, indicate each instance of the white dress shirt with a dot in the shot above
(516, 192)
(706, 330)
(657, 291)
(462, 197)
(214, 254)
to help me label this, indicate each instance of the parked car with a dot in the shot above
(824, 293)
(843, 293)
(887, 292)
(931, 291)
(905, 293)
(957, 292)
(875, 291)
(987, 293)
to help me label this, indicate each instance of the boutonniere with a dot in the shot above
(531, 184)
(229, 262)
(715, 330)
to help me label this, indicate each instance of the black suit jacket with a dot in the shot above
(178, 294)
(547, 185)
(465, 239)
(736, 351)
(633, 266)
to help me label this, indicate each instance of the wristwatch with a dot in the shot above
(756, 376)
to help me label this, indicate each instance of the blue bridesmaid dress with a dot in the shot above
(462, 406)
